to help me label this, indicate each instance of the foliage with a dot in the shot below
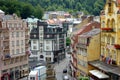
(27, 8)
(22, 9)
(88, 6)
(68, 41)
(84, 78)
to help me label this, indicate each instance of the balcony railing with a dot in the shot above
(6, 39)
(5, 56)
(108, 29)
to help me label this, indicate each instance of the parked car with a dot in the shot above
(65, 77)
(64, 70)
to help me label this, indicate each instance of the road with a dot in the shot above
(59, 68)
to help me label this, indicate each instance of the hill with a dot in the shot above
(88, 6)
(26, 8)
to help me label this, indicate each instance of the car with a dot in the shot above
(65, 77)
(64, 70)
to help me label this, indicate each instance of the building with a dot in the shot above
(87, 51)
(109, 62)
(54, 41)
(82, 28)
(14, 48)
(36, 40)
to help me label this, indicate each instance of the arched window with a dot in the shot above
(105, 39)
(108, 39)
(108, 23)
(113, 23)
(113, 40)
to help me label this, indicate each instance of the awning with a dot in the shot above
(99, 74)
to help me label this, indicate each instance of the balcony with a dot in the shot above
(6, 39)
(108, 29)
(5, 56)
(117, 46)
(7, 47)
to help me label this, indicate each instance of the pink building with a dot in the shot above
(13, 47)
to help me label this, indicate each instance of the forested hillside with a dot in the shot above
(22, 9)
(26, 8)
(88, 6)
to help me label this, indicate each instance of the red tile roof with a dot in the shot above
(118, 1)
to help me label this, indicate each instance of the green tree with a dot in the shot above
(38, 12)
(68, 41)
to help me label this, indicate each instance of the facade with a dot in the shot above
(14, 48)
(74, 40)
(87, 51)
(110, 44)
(36, 40)
(54, 41)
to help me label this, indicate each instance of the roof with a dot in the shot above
(102, 66)
(99, 74)
(40, 67)
(118, 1)
(33, 64)
(116, 71)
(91, 33)
(33, 72)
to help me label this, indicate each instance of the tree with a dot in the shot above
(38, 12)
(68, 41)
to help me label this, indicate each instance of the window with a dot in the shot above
(12, 43)
(22, 50)
(114, 55)
(113, 40)
(34, 47)
(13, 51)
(47, 42)
(48, 53)
(21, 42)
(47, 47)
(17, 43)
(10, 25)
(17, 34)
(19, 25)
(17, 51)
(12, 34)
(41, 44)
(22, 34)
(15, 25)
(34, 41)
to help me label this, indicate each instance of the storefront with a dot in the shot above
(5, 76)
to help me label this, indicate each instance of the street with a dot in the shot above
(59, 68)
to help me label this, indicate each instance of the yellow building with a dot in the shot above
(110, 42)
(110, 34)
(88, 49)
